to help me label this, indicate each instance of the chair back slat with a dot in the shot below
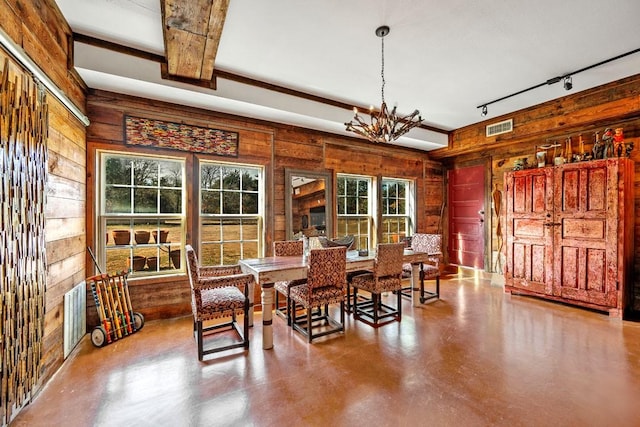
(327, 267)
(288, 248)
(389, 259)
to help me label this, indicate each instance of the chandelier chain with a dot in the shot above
(382, 69)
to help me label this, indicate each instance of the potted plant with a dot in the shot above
(162, 238)
(138, 262)
(142, 237)
(121, 237)
(175, 258)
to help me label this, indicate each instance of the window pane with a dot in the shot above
(231, 179)
(351, 188)
(118, 171)
(211, 254)
(363, 206)
(341, 187)
(145, 172)
(250, 250)
(231, 230)
(144, 200)
(210, 177)
(250, 180)
(117, 260)
(249, 203)
(170, 201)
(342, 206)
(230, 203)
(363, 188)
(250, 229)
(210, 202)
(402, 207)
(118, 200)
(231, 253)
(402, 190)
(210, 230)
(170, 174)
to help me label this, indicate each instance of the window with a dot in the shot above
(396, 210)
(230, 213)
(354, 209)
(142, 216)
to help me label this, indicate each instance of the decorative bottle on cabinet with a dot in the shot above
(569, 233)
(568, 150)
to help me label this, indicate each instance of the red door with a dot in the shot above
(466, 216)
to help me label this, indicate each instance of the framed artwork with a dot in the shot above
(180, 136)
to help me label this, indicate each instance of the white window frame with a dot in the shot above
(162, 251)
(369, 217)
(408, 217)
(258, 217)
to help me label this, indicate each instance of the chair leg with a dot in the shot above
(199, 339)
(309, 312)
(246, 324)
(399, 306)
(348, 297)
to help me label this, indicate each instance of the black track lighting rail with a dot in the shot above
(556, 80)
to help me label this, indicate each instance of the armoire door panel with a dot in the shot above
(583, 229)
(527, 227)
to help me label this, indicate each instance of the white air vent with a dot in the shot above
(501, 127)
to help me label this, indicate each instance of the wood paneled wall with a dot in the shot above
(609, 106)
(39, 28)
(273, 146)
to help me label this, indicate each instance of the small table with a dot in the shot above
(269, 270)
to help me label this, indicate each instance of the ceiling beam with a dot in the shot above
(191, 32)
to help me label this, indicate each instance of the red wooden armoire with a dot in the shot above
(569, 233)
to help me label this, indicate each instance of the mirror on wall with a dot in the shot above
(308, 203)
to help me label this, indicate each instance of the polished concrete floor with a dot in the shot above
(477, 357)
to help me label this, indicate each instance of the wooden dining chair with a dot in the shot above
(429, 270)
(326, 280)
(218, 292)
(386, 276)
(286, 248)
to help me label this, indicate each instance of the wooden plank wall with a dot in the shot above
(273, 146)
(609, 106)
(39, 28)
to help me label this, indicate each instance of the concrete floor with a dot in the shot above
(476, 357)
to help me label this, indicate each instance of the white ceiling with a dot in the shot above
(444, 58)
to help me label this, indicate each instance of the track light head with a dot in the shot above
(568, 84)
(484, 111)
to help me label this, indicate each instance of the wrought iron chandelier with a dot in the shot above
(385, 126)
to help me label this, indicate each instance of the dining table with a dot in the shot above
(269, 270)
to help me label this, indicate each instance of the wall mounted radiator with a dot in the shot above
(75, 316)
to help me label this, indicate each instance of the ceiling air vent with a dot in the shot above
(501, 127)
